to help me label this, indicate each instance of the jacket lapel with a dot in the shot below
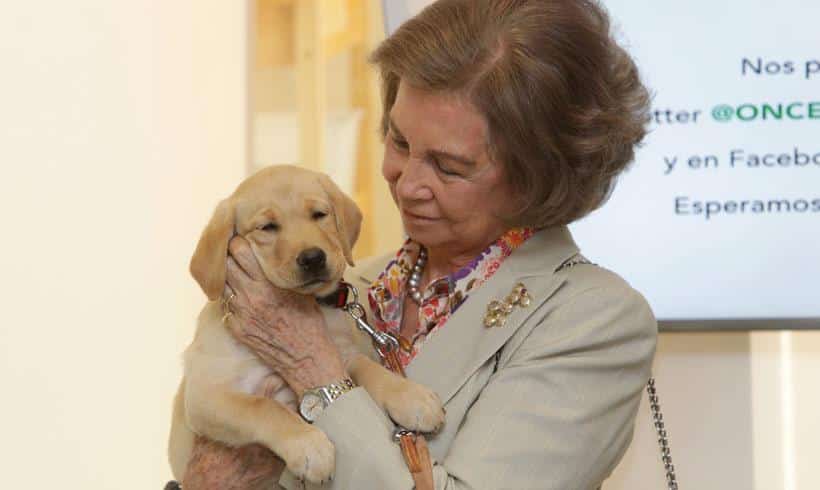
(450, 356)
(453, 353)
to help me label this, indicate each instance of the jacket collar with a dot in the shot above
(450, 356)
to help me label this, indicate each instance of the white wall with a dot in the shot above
(741, 412)
(121, 124)
(705, 390)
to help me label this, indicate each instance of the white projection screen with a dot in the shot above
(717, 222)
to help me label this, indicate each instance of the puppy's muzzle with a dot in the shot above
(312, 262)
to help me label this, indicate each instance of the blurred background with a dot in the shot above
(122, 124)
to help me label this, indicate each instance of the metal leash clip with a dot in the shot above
(382, 341)
(387, 346)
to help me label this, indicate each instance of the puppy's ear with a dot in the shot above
(210, 260)
(347, 214)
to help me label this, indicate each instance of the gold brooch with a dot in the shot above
(497, 311)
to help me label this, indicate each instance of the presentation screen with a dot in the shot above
(717, 222)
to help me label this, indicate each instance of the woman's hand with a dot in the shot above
(214, 466)
(285, 329)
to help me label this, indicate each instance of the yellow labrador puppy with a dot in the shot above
(301, 228)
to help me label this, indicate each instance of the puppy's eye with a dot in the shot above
(270, 227)
(317, 215)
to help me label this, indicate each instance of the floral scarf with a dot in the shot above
(442, 297)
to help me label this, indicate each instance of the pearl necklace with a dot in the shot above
(415, 276)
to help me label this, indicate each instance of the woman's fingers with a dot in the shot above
(234, 326)
(241, 251)
(235, 277)
(230, 300)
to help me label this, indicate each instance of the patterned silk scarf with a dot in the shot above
(442, 297)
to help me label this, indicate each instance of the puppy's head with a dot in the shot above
(300, 226)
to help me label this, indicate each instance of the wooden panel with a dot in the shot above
(382, 229)
(311, 76)
(305, 34)
(363, 84)
(274, 34)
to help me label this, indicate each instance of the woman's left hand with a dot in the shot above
(215, 466)
(286, 330)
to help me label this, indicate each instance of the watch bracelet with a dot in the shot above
(335, 390)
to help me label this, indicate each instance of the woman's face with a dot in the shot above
(437, 164)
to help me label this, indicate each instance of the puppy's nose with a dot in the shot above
(312, 259)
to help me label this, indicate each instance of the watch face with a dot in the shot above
(311, 406)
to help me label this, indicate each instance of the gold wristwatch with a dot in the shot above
(315, 400)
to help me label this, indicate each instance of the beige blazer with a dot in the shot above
(547, 401)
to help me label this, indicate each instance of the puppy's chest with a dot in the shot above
(251, 376)
(255, 378)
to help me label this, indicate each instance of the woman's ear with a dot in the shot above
(210, 260)
(347, 214)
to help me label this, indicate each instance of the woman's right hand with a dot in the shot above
(285, 329)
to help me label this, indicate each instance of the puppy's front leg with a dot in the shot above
(238, 419)
(409, 404)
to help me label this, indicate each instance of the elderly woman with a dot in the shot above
(504, 121)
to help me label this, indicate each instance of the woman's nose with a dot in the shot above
(413, 182)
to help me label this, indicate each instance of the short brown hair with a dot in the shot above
(564, 103)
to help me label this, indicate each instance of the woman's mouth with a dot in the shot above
(418, 217)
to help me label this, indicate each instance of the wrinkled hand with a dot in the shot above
(214, 466)
(285, 329)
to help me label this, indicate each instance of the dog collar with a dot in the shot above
(336, 299)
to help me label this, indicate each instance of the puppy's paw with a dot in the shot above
(310, 456)
(415, 407)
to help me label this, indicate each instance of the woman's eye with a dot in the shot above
(317, 215)
(441, 168)
(270, 227)
(400, 144)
